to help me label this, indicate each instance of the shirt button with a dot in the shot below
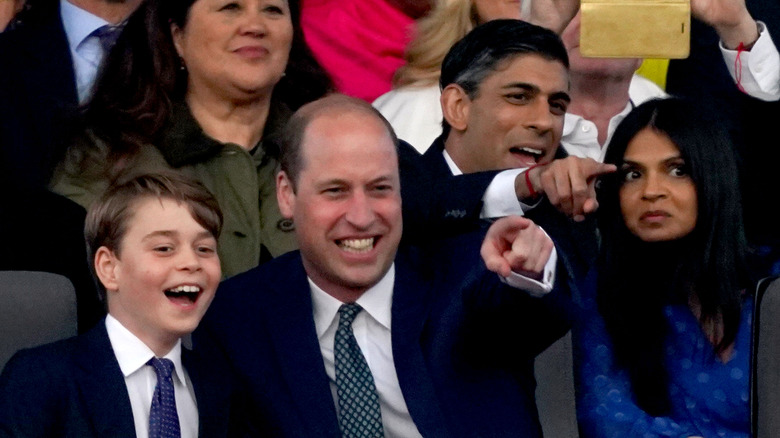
(585, 128)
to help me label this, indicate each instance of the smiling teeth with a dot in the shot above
(532, 151)
(357, 245)
(185, 288)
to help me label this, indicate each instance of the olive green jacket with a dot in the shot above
(242, 181)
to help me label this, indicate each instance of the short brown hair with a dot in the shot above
(107, 218)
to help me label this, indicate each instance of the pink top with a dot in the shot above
(359, 42)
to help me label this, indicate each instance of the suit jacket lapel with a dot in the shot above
(211, 394)
(411, 304)
(49, 66)
(294, 338)
(103, 386)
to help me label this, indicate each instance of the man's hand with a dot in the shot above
(516, 244)
(730, 18)
(552, 14)
(569, 184)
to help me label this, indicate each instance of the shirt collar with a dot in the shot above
(132, 353)
(78, 23)
(376, 302)
(451, 164)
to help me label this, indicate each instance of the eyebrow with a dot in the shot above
(173, 233)
(629, 162)
(562, 95)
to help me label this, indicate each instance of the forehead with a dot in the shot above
(548, 74)
(649, 145)
(348, 143)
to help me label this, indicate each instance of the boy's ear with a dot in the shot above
(455, 105)
(285, 194)
(105, 268)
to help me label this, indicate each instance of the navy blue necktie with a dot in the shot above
(163, 418)
(107, 35)
(359, 414)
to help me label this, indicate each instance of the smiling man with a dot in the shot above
(354, 336)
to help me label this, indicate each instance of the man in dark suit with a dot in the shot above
(153, 246)
(440, 346)
(50, 60)
(504, 96)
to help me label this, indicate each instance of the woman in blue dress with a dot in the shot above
(663, 343)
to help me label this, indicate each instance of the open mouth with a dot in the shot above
(357, 246)
(184, 294)
(530, 154)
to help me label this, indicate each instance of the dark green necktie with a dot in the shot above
(359, 414)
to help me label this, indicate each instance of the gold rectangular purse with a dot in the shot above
(635, 28)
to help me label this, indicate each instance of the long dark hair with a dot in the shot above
(142, 76)
(637, 279)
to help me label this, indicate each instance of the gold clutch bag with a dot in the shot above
(635, 28)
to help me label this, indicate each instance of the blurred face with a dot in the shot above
(494, 9)
(516, 118)
(163, 278)
(347, 203)
(601, 67)
(657, 198)
(235, 48)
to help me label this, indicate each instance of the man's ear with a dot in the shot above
(455, 105)
(105, 268)
(285, 194)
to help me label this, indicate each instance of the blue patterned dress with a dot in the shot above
(709, 398)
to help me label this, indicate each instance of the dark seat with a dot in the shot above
(765, 397)
(35, 308)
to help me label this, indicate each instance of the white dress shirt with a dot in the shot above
(85, 50)
(372, 332)
(140, 379)
(760, 72)
(372, 329)
(580, 136)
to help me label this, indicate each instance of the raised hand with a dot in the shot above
(516, 244)
(569, 184)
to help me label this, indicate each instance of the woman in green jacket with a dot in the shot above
(202, 87)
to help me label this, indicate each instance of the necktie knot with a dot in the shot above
(107, 34)
(163, 367)
(347, 313)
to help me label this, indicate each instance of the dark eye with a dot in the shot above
(274, 9)
(163, 249)
(679, 170)
(232, 6)
(558, 107)
(631, 175)
(206, 249)
(518, 98)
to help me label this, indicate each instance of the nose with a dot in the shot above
(654, 187)
(540, 119)
(189, 260)
(360, 211)
(254, 23)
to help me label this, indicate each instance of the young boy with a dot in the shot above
(153, 246)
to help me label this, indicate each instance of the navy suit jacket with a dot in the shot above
(75, 388)
(576, 241)
(37, 92)
(463, 346)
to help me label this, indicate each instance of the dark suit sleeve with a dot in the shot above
(437, 205)
(30, 401)
(503, 323)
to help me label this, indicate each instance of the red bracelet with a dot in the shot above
(528, 181)
(738, 67)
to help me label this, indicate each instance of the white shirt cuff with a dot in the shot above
(500, 198)
(760, 69)
(533, 287)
